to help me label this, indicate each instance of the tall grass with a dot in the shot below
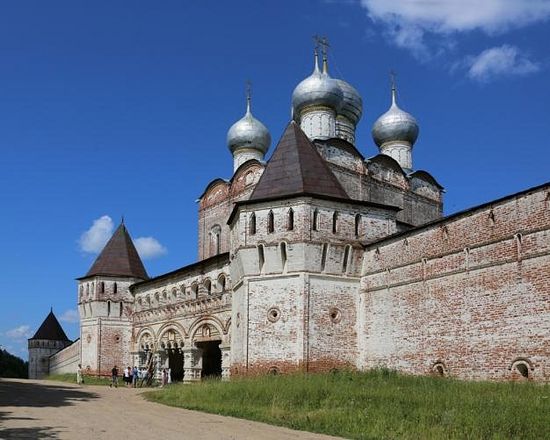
(376, 405)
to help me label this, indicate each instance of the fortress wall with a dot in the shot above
(66, 360)
(469, 292)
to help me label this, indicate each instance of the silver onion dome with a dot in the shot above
(248, 132)
(317, 89)
(395, 125)
(352, 107)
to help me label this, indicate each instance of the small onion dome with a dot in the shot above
(395, 125)
(317, 89)
(352, 107)
(248, 132)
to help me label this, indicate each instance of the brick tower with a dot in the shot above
(297, 246)
(104, 304)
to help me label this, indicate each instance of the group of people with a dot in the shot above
(130, 375)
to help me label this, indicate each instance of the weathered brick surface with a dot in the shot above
(467, 292)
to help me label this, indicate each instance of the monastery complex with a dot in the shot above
(322, 259)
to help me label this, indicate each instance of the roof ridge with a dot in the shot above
(297, 167)
(119, 257)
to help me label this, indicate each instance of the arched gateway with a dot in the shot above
(189, 356)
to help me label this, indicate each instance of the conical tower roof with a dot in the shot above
(296, 167)
(50, 330)
(119, 257)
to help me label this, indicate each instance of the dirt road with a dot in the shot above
(34, 409)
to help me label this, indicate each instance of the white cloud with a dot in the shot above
(500, 61)
(19, 333)
(94, 239)
(70, 316)
(149, 247)
(408, 22)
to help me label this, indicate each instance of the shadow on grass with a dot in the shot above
(20, 393)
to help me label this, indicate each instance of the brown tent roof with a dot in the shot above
(51, 330)
(296, 167)
(119, 257)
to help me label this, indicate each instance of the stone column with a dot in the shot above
(226, 360)
(192, 364)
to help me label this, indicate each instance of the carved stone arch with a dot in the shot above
(145, 339)
(214, 326)
(227, 325)
(171, 335)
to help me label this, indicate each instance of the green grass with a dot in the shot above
(88, 380)
(375, 405)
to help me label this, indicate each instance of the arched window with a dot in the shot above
(324, 256)
(290, 220)
(357, 225)
(222, 283)
(261, 257)
(335, 222)
(252, 224)
(215, 234)
(315, 221)
(115, 288)
(102, 287)
(208, 287)
(345, 261)
(270, 222)
(195, 290)
(283, 255)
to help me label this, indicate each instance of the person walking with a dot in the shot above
(135, 376)
(79, 379)
(114, 377)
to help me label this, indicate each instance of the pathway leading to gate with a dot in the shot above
(37, 409)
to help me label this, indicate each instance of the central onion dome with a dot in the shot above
(395, 125)
(318, 89)
(352, 107)
(248, 133)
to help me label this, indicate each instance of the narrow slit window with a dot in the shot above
(290, 223)
(108, 308)
(346, 259)
(335, 222)
(283, 255)
(102, 287)
(252, 224)
(324, 257)
(315, 221)
(357, 225)
(261, 257)
(120, 309)
(270, 222)
(115, 288)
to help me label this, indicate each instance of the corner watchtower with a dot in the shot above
(105, 304)
(48, 340)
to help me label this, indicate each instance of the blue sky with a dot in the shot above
(122, 108)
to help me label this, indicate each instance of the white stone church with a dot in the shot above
(322, 259)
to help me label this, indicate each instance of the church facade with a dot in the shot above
(322, 259)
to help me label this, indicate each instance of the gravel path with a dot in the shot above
(34, 409)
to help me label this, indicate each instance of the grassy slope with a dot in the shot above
(376, 405)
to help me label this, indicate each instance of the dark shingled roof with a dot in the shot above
(119, 257)
(51, 330)
(296, 167)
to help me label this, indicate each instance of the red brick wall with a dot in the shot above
(467, 292)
